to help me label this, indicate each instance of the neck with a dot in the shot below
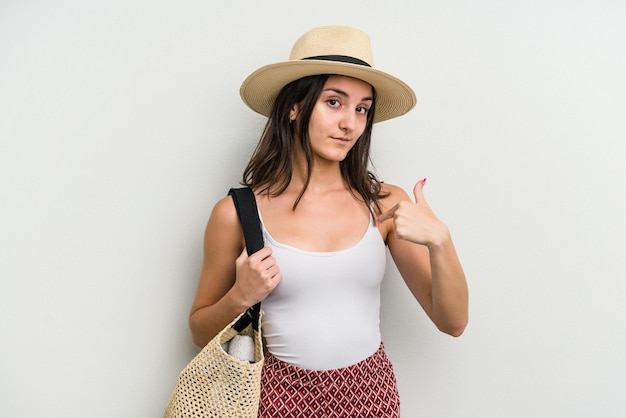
(325, 175)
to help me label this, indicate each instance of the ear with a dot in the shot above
(293, 113)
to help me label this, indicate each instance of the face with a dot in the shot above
(339, 117)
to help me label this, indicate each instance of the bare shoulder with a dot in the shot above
(224, 210)
(394, 194)
(224, 225)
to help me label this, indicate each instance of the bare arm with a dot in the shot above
(230, 281)
(424, 253)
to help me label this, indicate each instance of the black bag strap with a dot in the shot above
(245, 204)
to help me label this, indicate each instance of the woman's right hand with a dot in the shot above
(256, 276)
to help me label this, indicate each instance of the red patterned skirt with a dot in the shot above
(365, 389)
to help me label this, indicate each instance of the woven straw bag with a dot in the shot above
(215, 384)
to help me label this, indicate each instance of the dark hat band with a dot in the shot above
(339, 58)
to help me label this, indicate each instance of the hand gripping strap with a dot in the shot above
(245, 204)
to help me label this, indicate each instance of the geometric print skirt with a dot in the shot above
(365, 389)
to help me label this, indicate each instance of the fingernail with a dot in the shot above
(424, 181)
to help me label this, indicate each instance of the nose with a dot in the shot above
(347, 121)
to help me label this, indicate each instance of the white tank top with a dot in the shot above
(324, 314)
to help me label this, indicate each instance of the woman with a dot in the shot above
(326, 220)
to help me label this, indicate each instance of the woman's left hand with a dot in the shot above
(416, 222)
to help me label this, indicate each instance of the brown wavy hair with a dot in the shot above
(271, 165)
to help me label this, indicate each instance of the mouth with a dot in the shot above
(344, 140)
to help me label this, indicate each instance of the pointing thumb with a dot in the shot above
(418, 190)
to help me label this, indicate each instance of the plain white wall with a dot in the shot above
(121, 126)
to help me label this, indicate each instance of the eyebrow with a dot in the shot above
(343, 93)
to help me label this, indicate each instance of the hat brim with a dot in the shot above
(259, 90)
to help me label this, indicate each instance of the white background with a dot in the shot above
(121, 126)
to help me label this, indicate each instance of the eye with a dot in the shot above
(333, 102)
(362, 110)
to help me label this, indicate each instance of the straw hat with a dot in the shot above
(337, 50)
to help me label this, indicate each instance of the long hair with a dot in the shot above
(271, 165)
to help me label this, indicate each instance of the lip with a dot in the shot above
(344, 140)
